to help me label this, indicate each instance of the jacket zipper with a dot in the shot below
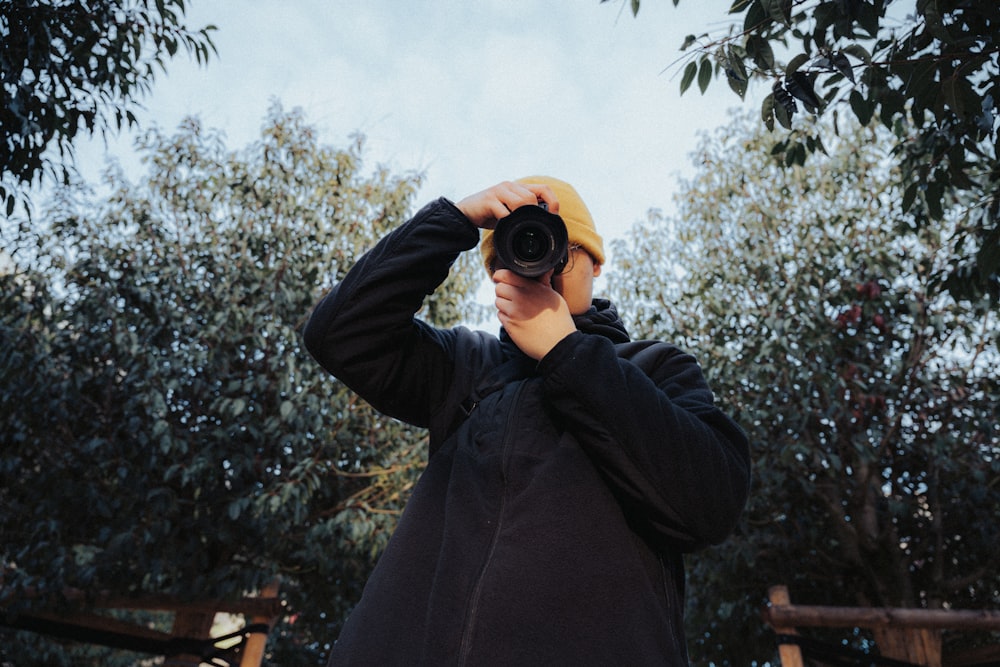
(477, 591)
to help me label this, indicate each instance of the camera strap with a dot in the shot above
(445, 424)
(515, 368)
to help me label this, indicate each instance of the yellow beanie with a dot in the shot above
(579, 223)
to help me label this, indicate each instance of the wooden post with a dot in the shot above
(919, 646)
(193, 625)
(253, 648)
(791, 656)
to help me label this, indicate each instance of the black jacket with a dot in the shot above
(549, 524)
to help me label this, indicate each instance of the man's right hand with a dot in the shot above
(484, 208)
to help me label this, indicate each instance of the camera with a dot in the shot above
(531, 241)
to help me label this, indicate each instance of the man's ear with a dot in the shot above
(597, 269)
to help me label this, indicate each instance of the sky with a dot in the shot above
(469, 92)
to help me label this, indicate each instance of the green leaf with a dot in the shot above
(934, 196)
(988, 256)
(759, 49)
(843, 65)
(893, 106)
(859, 52)
(819, 145)
(779, 10)
(954, 92)
(795, 63)
(799, 154)
(757, 18)
(909, 196)
(800, 85)
(934, 24)
(782, 115)
(705, 74)
(862, 108)
(767, 111)
(736, 73)
(688, 77)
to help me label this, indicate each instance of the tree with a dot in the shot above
(929, 72)
(70, 66)
(869, 399)
(163, 429)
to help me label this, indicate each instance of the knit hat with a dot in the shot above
(579, 223)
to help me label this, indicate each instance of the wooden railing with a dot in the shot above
(912, 636)
(187, 642)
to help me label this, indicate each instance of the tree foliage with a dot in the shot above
(163, 429)
(70, 66)
(929, 71)
(870, 400)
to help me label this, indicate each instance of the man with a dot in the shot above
(569, 469)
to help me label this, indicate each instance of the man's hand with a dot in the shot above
(534, 314)
(483, 209)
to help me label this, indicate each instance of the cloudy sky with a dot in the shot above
(470, 92)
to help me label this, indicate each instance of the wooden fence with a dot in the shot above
(902, 636)
(189, 642)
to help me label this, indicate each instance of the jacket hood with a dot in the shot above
(603, 319)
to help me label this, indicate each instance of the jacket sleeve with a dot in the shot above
(364, 331)
(679, 466)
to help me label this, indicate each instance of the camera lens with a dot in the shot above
(531, 241)
(530, 245)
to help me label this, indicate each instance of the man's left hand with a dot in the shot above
(534, 314)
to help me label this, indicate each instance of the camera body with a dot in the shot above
(531, 241)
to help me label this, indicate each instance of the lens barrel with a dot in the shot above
(531, 241)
